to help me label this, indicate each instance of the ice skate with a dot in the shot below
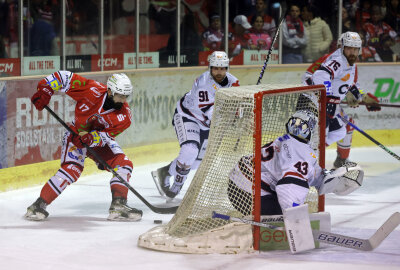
(339, 162)
(120, 211)
(161, 179)
(37, 211)
(173, 191)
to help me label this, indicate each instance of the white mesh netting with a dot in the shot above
(231, 137)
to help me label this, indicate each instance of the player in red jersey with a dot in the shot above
(101, 113)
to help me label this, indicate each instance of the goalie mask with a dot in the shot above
(301, 125)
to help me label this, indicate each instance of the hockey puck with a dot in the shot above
(157, 221)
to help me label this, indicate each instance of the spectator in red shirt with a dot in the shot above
(363, 15)
(240, 35)
(380, 35)
(368, 53)
(213, 37)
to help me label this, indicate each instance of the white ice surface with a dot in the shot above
(77, 235)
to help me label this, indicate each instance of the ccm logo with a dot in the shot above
(5, 67)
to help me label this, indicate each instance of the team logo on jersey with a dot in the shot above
(54, 83)
(76, 154)
(95, 91)
(313, 155)
(346, 77)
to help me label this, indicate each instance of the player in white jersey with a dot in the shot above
(338, 72)
(192, 120)
(289, 166)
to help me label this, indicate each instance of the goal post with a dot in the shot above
(245, 118)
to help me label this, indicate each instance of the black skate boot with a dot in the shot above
(120, 211)
(161, 179)
(340, 162)
(37, 211)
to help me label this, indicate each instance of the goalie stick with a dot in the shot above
(368, 136)
(333, 238)
(159, 210)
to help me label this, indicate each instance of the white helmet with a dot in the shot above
(218, 59)
(339, 41)
(120, 83)
(301, 125)
(351, 39)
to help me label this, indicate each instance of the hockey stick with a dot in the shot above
(283, 5)
(333, 238)
(368, 136)
(159, 210)
(379, 104)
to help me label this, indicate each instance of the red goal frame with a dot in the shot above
(258, 99)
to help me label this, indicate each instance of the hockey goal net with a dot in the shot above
(245, 118)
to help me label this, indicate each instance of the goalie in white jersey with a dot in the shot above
(192, 120)
(289, 166)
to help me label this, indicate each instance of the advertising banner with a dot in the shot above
(110, 62)
(10, 67)
(3, 125)
(34, 136)
(38, 65)
(187, 58)
(254, 57)
(383, 82)
(79, 63)
(146, 60)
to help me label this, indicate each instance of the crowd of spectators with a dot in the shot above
(309, 31)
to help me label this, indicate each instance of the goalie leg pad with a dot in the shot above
(298, 228)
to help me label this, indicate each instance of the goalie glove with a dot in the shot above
(372, 102)
(342, 181)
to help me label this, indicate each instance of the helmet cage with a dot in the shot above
(301, 125)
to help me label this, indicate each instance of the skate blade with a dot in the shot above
(118, 217)
(157, 183)
(34, 217)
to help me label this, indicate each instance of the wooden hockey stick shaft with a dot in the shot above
(380, 104)
(159, 210)
(333, 238)
(368, 136)
(282, 18)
